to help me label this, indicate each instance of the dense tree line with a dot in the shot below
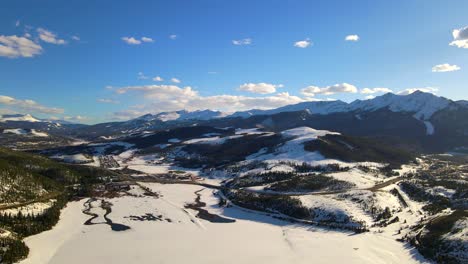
(12, 250)
(279, 204)
(24, 225)
(26, 177)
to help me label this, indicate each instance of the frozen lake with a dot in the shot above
(177, 236)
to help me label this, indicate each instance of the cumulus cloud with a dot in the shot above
(311, 91)
(445, 68)
(303, 43)
(432, 90)
(161, 98)
(158, 79)
(28, 105)
(242, 42)
(159, 91)
(259, 88)
(49, 37)
(376, 90)
(131, 40)
(14, 47)
(173, 37)
(460, 38)
(146, 39)
(108, 101)
(175, 80)
(352, 38)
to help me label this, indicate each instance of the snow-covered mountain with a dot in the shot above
(181, 115)
(318, 107)
(32, 119)
(19, 117)
(422, 105)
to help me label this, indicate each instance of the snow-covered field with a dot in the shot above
(19, 131)
(253, 238)
(293, 149)
(30, 209)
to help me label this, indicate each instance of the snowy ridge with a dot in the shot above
(319, 107)
(24, 118)
(180, 116)
(293, 149)
(422, 105)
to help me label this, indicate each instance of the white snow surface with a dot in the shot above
(38, 134)
(357, 177)
(20, 131)
(423, 105)
(211, 140)
(17, 131)
(293, 150)
(253, 238)
(429, 128)
(32, 209)
(24, 118)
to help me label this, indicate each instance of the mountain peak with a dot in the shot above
(19, 117)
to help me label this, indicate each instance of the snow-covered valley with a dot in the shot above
(253, 238)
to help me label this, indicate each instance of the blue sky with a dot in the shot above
(69, 59)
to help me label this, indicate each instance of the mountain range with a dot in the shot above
(421, 120)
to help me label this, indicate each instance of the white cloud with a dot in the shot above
(460, 38)
(445, 68)
(131, 40)
(432, 90)
(14, 47)
(28, 105)
(18, 23)
(146, 39)
(352, 38)
(142, 76)
(158, 79)
(175, 80)
(49, 37)
(369, 97)
(4, 111)
(303, 43)
(171, 97)
(77, 38)
(241, 42)
(173, 37)
(376, 90)
(108, 101)
(77, 118)
(311, 91)
(259, 88)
